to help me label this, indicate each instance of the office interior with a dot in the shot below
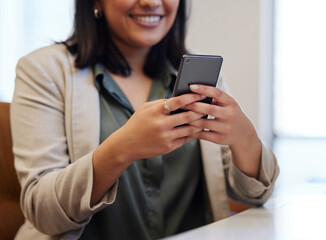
(273, 54)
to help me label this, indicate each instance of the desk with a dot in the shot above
(299, 213)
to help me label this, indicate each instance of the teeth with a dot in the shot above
(147, 19)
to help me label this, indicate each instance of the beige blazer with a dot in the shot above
(55, 121)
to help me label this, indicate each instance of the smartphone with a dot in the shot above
(196, 69)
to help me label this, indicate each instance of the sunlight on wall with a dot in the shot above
(300, 76)
(26, 26)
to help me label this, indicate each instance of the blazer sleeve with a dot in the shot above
(242, 187)
(247, 189)
(55, 195)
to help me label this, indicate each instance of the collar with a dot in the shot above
(169, 75)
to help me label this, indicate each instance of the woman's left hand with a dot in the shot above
(230, 126)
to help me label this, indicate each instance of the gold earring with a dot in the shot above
(97, 13)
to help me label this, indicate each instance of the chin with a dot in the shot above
(148, 40)
(149, 43)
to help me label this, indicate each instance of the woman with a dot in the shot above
(97, 154)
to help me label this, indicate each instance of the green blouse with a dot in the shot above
(156, 197)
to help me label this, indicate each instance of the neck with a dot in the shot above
(136, 57)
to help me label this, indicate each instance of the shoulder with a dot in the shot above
(49, 69)
(51, 64)
(56, 50)
(50, 56)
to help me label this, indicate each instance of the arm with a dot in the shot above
(55, 192)
(60, 194)
(246, 173)
(241, 187)
(151, 131)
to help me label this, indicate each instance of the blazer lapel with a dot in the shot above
(85, 113)
(215, 180)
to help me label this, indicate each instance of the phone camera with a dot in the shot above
(187, 60)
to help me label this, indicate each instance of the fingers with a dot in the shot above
(181, 141)
(179, 136)
(220, 96)
(184, 118)
(210, 136)
(183, 100)
(160, 115)
(175, 103)
(185, 131)
(213, 125)
(208, 109)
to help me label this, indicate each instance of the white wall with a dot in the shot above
(232, 28)
(11, 47)
(26, 26)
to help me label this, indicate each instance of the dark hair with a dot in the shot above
(90, 41)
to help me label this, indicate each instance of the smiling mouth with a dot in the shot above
(147, 19)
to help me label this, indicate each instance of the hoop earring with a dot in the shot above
(97, 13)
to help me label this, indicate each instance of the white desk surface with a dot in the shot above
(299, 213)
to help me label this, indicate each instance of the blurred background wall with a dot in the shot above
(242, 32)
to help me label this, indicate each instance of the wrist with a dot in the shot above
(246, 154)
(250, 140)
(109, 162)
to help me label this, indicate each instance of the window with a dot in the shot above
(300, 76)
(299, 91)
(26, 26)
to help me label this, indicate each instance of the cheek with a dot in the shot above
(171, 7)
(115, 20)
(115, 10)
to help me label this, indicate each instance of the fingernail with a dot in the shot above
(202, 96)
(193, 86)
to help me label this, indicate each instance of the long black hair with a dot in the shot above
(91, 42)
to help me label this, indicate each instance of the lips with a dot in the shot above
(147, 18)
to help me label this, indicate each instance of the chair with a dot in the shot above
(237, 207)
(11, 217)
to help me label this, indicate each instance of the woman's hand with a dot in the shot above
(151, 131)
(230, 126)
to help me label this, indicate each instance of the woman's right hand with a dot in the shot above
(151, 131)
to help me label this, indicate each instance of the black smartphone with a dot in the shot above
(197, 69)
